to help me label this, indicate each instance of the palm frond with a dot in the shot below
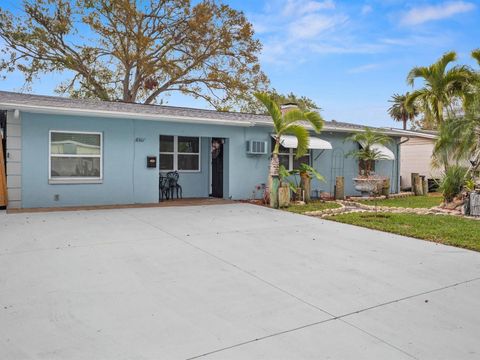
(315, 119)
(417, 72)
(272, 108)
(311, 117)
(301, 133)
(368, 137)
(476, 55)
(446, 59)
(293, 115)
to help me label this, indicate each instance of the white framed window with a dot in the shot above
(287, 158)
(75, 157)
(179, 153)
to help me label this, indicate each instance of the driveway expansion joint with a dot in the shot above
(333, 317)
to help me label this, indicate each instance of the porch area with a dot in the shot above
(190, 167)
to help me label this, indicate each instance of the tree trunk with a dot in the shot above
(305, 185)
(284, 196)
(274, 165)
(339, 188)
(404, 122)
(439, 113)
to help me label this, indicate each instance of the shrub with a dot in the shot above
(452, 182)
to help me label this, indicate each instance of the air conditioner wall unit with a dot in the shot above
(255, 147)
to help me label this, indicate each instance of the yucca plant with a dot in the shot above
(293, 123)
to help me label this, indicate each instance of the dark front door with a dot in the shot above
(217, 167)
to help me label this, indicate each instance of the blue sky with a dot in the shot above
(348, 56)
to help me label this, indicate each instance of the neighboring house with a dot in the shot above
(67, 152)
(417, 150)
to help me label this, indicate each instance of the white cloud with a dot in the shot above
(423, 14)
(363, 68)
(312, 25)
(366, 9)
(300, 7)
(292, 29)
(349, 48)
(295, 31)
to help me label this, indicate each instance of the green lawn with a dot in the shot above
(408, 202)
(449, 230)
(312, 206)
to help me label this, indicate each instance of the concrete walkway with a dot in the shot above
(233, 281)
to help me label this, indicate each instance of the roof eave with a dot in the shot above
(327, 127)
(121, 114)
(410, 134)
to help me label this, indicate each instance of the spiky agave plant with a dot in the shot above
(294, 122)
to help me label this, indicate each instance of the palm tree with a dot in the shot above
(459, 136)
(476, 55)
(292, 122)
(399, 111)
(368, 154)
(441, 87)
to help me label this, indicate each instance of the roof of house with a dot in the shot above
(425, 134)
(90, 107)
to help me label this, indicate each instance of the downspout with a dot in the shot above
(398, 162)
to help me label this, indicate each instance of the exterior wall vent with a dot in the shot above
(255, 147)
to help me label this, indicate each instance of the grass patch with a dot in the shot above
(448, 230)
(312, 206)
(427, 201)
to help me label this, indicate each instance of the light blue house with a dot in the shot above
(64, 152)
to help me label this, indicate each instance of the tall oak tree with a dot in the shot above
(136, 50)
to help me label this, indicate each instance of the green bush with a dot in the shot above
(453, 181)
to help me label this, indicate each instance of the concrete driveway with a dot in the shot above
(229, 282)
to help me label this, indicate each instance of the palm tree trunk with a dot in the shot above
(439, 113)
(404, 119)
(274, 166)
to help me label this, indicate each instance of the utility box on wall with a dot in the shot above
(151, 162)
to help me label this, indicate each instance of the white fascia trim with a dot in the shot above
(124, 115)
(408, 133)
(350, 130)
(338, 129)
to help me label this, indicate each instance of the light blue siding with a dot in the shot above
(127, 180)
(323, 161)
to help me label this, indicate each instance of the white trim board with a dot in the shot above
(122, 115)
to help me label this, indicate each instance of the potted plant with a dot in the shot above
(367, 154)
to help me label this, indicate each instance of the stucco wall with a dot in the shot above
(126, 179)
(332, 163)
